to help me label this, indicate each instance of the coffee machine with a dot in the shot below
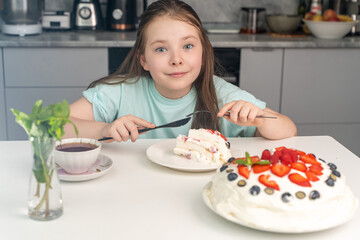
(121, 15)
(22, 17)
(87, 15)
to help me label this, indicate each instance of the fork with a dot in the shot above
(228, 114)
(177, 123)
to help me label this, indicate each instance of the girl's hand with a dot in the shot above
(242, 113)
(120, 128)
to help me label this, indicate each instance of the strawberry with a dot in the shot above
(274, 159)
(278, 153)
(258, 168)
(309, 159)
(299, 180)
(266, 155)
(300, 152)
(255, 159)
(294, 156)
(280, 169)
(244, 171)
(316, 169)
(217, 133)
(280, 148)
(286, 159)
(264, 179)
(311, 176)
(299, 166)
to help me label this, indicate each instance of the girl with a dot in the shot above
(168, 74)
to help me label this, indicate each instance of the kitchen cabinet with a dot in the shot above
(320, 93)
(51, 74)
(3, 133)
(261, 73)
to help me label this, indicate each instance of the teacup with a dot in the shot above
(76, 155)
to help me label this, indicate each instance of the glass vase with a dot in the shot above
(44, 199)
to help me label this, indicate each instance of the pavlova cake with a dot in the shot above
(203, 145)
(284, 190)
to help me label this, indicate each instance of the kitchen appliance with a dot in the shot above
(121, 15)
(87, 15)
(22, 17)
(56, 20)
(252, 20)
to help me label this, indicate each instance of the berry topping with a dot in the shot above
(223, 168)
(244, 171)
(241, 183)
(299, 166)
(227, 145)
(336, 173)
(309, 159)
(274, 159)
(254, 190)
(229, 170)
(266, 155)
(280, 169)
(286, 197)
(286, 159)
(269, 191)
(231, 159)
(299, 180)
(316, 169)
(314, 195)
(300, 195)
(258, 168)
(330, 182)
(217, 133)
(264, 179)
(232, 176)
(332, 166)
(311, 176)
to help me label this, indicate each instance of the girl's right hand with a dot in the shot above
(120, 128)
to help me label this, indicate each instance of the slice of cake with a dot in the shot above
(284, 190)
(203, 145)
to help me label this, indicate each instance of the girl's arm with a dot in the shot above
(244, 114)
(81, 113)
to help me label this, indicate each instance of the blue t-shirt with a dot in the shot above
(141, 99)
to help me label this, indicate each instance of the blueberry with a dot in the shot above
(228, 145)
(313, 155)
(232, 176)
(336, 173)
(332, 166)
(254, 190)
(286, 197)
(330, 182)
(231, 159)
(322, 160)
(314, 195)
(223, 168)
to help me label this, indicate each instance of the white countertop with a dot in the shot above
(139, 199)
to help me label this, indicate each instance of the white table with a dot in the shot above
(139, 199)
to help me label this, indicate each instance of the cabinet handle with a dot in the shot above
(262, 49)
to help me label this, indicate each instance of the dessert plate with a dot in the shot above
(162, 153)
(206, 195)
(102, 165)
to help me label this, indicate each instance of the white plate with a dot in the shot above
(162, 154)
(206, 195)
(102, 165)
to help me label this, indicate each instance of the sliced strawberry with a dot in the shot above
(274, 159)
(300, 152)
(299, 180)
(299, 166)
(310, 160)
(217, 133)
(316, 169)
(286, 159)
(280, 169)
(258, 168)
(244, 171)
(255, 159)
(264, 179)
(280, 148)
(266, 155)
(311, 176)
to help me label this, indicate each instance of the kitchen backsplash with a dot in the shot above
(220, 11)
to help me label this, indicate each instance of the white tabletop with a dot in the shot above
(139, 199)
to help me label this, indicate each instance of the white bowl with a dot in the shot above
(79, 161)
(329, 30)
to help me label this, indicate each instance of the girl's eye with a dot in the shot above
(188, 46)
(160, 49)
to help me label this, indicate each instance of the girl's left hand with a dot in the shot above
(242, 113)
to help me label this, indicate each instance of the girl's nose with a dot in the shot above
(176, 60)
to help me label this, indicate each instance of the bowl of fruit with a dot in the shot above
(329, 25)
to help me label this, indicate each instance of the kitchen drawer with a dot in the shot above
(321, 85)
(2, 102)
(23, 99)
(346, 134)
(52, 67)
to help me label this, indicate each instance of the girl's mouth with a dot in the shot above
(177, 74)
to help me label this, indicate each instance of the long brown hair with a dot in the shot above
(204, 85)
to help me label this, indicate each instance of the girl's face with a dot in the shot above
(173, 56)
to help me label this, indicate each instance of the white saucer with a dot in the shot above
(162, 153)
(102, 165)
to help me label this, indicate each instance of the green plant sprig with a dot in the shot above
(249, 162)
